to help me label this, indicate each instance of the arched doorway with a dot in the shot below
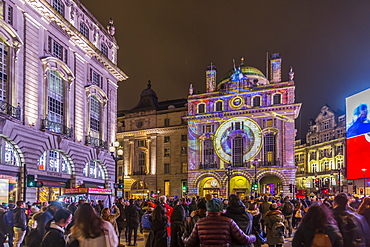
(271, 185)
(139, 189)
(241, 186)
(209, 185)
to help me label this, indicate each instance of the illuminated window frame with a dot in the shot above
(4, 71)
(201, 108)
(276, 99)
(254, 102)
(54, 161)
(59, 7)
(84, 30)
(9, 154)
(94, 169)
(94, 116)
(104, 49)
(219, 106)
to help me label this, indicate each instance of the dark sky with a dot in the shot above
(171, 42)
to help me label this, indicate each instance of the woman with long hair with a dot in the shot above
(318, 218)
(108, 216)
(92, 231)
(364, 209)
(158, 224)
(55, 229)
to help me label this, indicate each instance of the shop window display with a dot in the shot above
(55, 161)
(94, 169)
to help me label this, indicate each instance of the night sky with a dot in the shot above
(170, 42)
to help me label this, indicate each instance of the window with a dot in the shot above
(166, 168)
(184, 167)
(340, 133)
(142, 163)
(166, 139)
(208, 152)
(326, 125)
(94, 169)
(140, 143)
(202, 108)
(313, 141)
(325, 137)
(237, 155)
(313, 155)
(94, 117)
(10, 15)
(219, 106)
(11, 156)
(58, 6)
(96, 78)
(54, 161)
(326, 166)
(276, 100)
(340, 163)
(256, 101)
(55, 100)
(269, 123)
(184, 150)
(57, 50)
(166, 152)
(167, 187)
(314, 167)
(104, 49)
(269, 147)
(340, 149)
(166, 122)
(3, 71)
(184, 138)
(84, 30)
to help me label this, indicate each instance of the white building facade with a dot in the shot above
(58, 98)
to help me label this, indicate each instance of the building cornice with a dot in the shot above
(150, 131)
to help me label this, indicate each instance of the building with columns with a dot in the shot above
(241, 132)
(153, 136)
(58, 98)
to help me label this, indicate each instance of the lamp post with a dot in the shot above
(116, 153)
(229, 171)
(256, 162)
(364, 170)
(339, 171)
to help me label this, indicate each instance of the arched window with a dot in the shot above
(94, 169)
(256, 101)
(201, 108)
(54, 161)
(59, 7)
(4, 51)
(9, 154)
(237, 150)
(270, 149)
(219, 106)
(104, 49)
(276, 99)
(208, 152)
(94, 117)
(55, 102)
(84, 30)
(314, 167)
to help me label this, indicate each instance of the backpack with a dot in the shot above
(278, 229)
(298, 213)
(33, 239)
(288, 208)
(321, 239)
(145, 221)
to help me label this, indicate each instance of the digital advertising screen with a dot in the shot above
(358, 135)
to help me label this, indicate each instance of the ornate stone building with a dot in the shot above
(241, 131)
(153, 136)
(58, 89)
(320, 159)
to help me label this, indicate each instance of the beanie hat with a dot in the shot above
(214, 205)
(273, 206)
(201, 204)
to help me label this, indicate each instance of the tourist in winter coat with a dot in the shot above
(90, 230)
(216, 230)
(121, 220)
(158, 224)
(54, 236)
(133, 220)
(108, 216)
(256, 224)
(9, 223)
(364, 209)
(20, 223)
(237, 211)
(46, 216)
(178, 220)
(318, 217)
(274, 216)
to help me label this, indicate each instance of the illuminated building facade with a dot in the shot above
(153, 136)
(241, 132)
(58, 89)
(320, 160)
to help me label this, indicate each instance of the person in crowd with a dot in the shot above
(158, 224)
(46, 216)
(237, 211)
(108, 216)
(256, 224)
(274, 227)
(178, 220)
(9, 223)
(121, 220)
(133, 220)
(20, 223)
(54, 236)
(217, 230)
(353, 226)
(297, 215)
(72, 207)
(145, 223)
(185, 205)
(355, 204)
(196, 215)
(264, 208)
(287, 208)
(90, 230)
(169, 211)
(32, 222)
(318, 218)
(364, 209)
(2, 227)
(193, 205)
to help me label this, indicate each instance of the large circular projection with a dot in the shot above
(243, 127)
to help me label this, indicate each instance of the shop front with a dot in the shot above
(87, 194)
(8, 188)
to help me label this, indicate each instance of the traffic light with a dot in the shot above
(39, 184)
(31, 181)
(354, 189)
(291, 188)
(255, 186)
(317, 182)
(361, 191)
(325, 191)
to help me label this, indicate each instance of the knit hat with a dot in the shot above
(214, 205)
(273, 206)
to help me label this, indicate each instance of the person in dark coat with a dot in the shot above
(318, 217)
(193, 205)
(133, 220)
(237, 211)
(364, 209)
(121, 220)
(2, 227)
(158, 224)
(9, 223)
(46, 216)
(54, 236)
(20, 223)
(178, 219)
(256, 224)
(272, 216)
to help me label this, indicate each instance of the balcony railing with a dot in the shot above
(139, 173)
(56, 127)
(275, 163)
(10, 110)
(207, 166)
(96, 142)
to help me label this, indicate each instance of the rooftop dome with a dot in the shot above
(246, 70)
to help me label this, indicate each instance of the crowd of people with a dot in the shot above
(199, 221)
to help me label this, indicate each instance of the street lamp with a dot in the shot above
(256, 162)
(364, 170)
(229, 172)
(116, 152)
(339, 171)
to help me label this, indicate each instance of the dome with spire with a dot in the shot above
(148, 100)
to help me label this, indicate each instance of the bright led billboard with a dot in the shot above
(358, 135)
